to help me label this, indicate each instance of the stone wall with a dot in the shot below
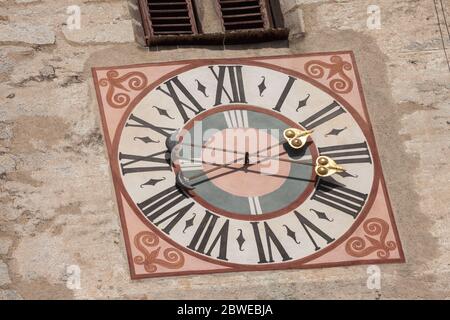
(57, 206)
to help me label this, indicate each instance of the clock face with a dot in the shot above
(204, 158)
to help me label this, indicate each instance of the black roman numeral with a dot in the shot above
(204, 232)
(236, 82)
(140, 123)
(329, 112)
(284, 94)
(339, 197)
(157, 208)
(153, 158)
(308, 225)
(348, 153)
(270, 238)
(194, 106)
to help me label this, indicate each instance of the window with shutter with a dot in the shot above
(177, 22)
(171, 17)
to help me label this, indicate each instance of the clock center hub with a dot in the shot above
(251, 165)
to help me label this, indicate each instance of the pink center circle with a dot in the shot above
(263, 174)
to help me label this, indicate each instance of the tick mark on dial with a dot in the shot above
(262, 86)
(146, 139)
(291, 234)
(152, 182)
(302, 103)
(240, 240)
(189, 223)
(163, 112)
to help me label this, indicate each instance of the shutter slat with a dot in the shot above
(171, 17)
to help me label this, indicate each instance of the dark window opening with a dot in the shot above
(177, 22)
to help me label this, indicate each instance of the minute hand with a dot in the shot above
(235, 161)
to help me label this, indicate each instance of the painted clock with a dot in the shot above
(245, 164)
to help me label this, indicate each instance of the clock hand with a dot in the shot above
(184, 182)
(296, 138)
(231, 170)
(289, 135)
(324, 167)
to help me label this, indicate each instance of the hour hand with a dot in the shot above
(325, 167)
(296, 138)
(183, 182)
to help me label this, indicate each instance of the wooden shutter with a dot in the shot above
(137, 22)
(244, 14)
(171, 17)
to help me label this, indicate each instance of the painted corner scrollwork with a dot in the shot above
(134, 80)
(171, 258)
(339, 82)
(376, 232)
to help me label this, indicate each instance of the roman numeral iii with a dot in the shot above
(339, 197)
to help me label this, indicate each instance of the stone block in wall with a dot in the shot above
(120, 32)
(27, 33)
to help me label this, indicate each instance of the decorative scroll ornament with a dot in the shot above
(173, 258)
(342, 83)
(377, 231)
(134, 81)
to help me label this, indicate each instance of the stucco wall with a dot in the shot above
(57, 205)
